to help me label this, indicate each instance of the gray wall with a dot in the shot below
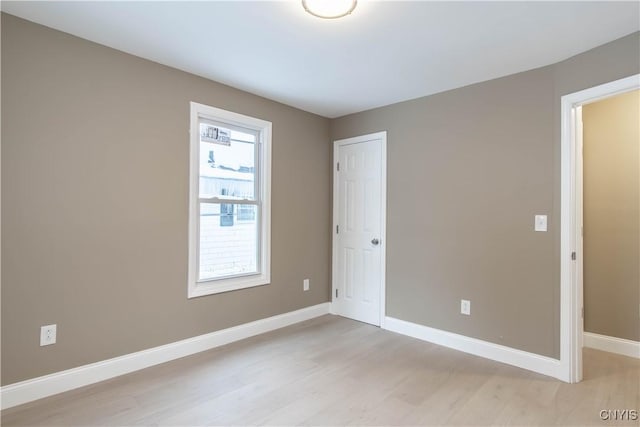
(94, 204)
(611, 216)
(467, 171)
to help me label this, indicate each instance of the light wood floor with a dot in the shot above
(334, 371)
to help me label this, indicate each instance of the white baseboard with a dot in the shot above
(500, 353)
(612, 344)
(37, 388)
(332, 309)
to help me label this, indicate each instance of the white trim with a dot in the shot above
(500, 353)
(263, 277)
(37, 388)
(382, 136)
(571, 331)
(612, 344)
(579, 263)
(383, 232)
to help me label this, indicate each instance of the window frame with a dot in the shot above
(262, 197)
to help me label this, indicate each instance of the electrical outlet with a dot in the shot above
(465, 307)
(48, 335)
(540, 223)
(305, 285)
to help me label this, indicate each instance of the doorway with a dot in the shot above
(571, 239)
(611, 222)
(359, 238)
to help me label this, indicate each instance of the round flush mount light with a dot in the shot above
(329, 9)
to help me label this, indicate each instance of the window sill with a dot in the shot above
(199, 289)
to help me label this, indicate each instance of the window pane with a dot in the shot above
(228, 240)
(227, 163)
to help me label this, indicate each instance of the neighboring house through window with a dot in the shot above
(229, 206)
(246, 213)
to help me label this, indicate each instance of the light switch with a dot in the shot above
(541, 223)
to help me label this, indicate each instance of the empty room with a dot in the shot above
(320, 212)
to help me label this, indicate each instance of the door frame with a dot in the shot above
(571, 283)
(382, 136)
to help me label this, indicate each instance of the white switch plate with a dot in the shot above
(48, 335)
(305, 285)
(541, 223)
(465, 307)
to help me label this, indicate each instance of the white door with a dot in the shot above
(359, 202)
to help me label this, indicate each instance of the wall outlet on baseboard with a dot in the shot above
(465, 307)
(48, 335)
(305, 285)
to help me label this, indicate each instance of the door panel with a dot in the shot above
(358, 278)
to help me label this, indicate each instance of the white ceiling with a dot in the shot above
(384, 52)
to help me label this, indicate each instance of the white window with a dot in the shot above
(229, 201)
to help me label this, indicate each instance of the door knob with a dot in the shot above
(375, 241)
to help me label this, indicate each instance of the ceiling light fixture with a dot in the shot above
(329, 9)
